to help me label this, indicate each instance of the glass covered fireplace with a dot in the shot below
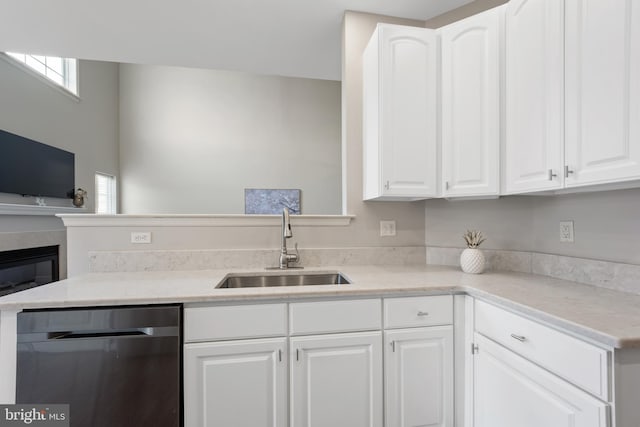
(27, 268)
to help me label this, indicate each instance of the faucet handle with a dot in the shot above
(297, 253)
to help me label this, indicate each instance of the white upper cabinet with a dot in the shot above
(534, 85)
(399, 114)
(602, 91)
(471, 51)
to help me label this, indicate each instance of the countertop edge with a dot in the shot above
(599, 323)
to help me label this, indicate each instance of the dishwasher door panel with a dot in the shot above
(108, 381)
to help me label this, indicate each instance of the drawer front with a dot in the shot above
(418, 311)
(234, 322)
(583, 364)
(334, 316)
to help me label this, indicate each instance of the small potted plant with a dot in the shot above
(472, 258)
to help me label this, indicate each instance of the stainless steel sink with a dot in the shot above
(282, 279)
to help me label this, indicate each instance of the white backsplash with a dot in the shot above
(164, 260)
(495, 260)
(605, 274)
(611, 275)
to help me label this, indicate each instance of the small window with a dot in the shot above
(105, 194)
(61, 71)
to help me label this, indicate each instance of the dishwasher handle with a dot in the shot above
(129, 333)
(91, 334)
(110, 333)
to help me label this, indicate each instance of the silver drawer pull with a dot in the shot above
(519, 337)
(423, 313)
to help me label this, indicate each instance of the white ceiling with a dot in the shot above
(300, 38)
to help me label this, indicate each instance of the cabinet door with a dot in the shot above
(471, 105)
(534, 93)
(336, 380)
(236, 383)
(399, 102)
(511, 391)
(419, 377)
(602, 91)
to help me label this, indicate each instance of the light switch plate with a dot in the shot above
(387, 228)
(566, 231)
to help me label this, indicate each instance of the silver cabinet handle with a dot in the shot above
(386, 185)
(520, 338)
(551, 175)
(567, 171)
(423, 313)
(393, 346)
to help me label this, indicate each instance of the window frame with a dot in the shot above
(113, 191)
(43, 78)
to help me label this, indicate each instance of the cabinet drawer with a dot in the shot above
(334, 316)
(234, 321)
(583, 364)
(418, 311)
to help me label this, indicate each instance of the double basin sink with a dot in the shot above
(282, 279)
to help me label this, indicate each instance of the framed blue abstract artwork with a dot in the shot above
(268, 201)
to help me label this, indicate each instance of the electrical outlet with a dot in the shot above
(141, 237)
(387, 228)
(566, 231)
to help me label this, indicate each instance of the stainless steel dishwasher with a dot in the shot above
(116, 366)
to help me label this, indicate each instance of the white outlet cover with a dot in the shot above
(139, 237)
(566, 231)
(387, 228)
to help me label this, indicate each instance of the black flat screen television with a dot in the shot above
(30, 168)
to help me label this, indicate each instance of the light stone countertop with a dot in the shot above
(609, 317)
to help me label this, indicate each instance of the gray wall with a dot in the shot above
(462, 12)
(191, 140)
(88, 128)
(357, 30)
(606, 224)
(507, 222)
(363, 230)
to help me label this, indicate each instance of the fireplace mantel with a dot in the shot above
(19, 209)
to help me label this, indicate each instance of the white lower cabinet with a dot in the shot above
(511, 391)
(315, 373)
(236, 383)
(529, 374)
(336, 380)
(418, 370)
(325, 366)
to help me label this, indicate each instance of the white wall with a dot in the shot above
(191, 140)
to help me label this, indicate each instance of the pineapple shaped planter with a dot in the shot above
(472, 259)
